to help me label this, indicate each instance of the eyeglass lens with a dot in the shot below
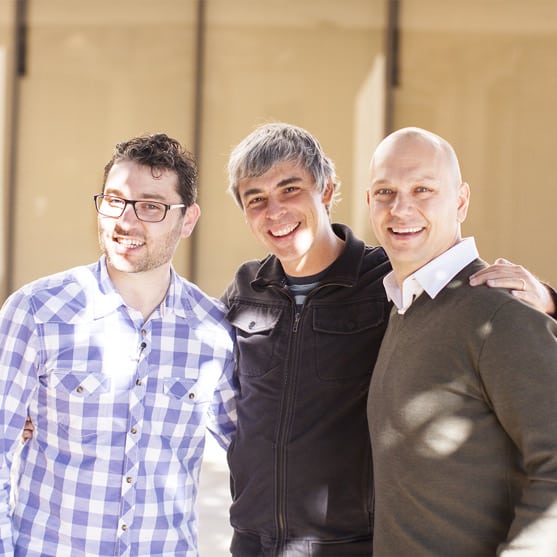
(149, 211)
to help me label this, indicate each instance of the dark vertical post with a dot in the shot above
(198, 114)
(20, 68)
(392, 55)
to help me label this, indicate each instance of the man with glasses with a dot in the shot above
(121, 366)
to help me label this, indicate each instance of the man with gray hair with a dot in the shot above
(309, 320)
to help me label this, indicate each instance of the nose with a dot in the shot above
(129, 214)
(275, 208)
(401, 205)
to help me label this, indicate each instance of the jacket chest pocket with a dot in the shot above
(347, 338)
(261, 344)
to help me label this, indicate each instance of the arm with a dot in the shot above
(222, 413)
(6, 546)
(518, 370)
(523, 284)
(223, 410)
(17, 373)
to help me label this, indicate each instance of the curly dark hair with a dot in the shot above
(160, 152)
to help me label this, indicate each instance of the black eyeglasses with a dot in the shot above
(148, 211)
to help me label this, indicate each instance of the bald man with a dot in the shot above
(463, 399)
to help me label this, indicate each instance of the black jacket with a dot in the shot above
(300, 464)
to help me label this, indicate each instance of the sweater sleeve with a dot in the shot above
(518, 365)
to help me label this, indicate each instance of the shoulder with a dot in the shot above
(207, 309)
(491, 307)
(61, 295)
(246, 273)
(373, 259)
(57, 281)
(249, 269)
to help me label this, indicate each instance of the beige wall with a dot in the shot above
(301, 62)
(482, 73)
(98, 72)
(7, 16)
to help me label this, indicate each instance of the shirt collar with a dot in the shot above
(432, 277)
(109, 299)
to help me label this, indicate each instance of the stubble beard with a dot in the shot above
(152, 259)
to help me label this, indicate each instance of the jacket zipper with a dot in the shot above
(286, 418)
(296, 321)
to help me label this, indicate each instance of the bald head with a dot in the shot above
(421, 142)
(417, 199)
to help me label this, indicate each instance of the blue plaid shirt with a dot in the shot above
(120, 407)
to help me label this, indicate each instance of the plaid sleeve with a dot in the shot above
(222, 414)
(18, 355)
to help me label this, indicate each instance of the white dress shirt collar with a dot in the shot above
(432, 277)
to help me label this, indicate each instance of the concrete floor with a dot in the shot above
(213, 502)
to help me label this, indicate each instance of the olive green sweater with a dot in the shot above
(463, 419)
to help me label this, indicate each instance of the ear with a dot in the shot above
(328, 193)
(463, 202)
(190, 219)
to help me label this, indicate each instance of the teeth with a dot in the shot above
(284, 230)
(407, 230)
(129, 243)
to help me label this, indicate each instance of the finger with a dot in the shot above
(502, 261)
(529, 297)
(501, 272)
(493, 277)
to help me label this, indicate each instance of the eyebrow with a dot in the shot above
(153, 196)
(283, 183)
(427, 178)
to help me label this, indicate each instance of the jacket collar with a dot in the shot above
(344, 271)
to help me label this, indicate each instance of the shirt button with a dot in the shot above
(129, 479)
(191, 396)
(79, 389)
(124, 527)
(133, 430)
(251, 325)
(138, 382)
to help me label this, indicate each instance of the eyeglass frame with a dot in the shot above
(132, 202)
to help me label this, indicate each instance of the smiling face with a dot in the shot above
(134, 246)
(288, 215)
(417, 200)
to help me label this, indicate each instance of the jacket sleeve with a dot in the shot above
(518, 366)
(553, 294)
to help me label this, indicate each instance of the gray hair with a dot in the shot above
(274, 143)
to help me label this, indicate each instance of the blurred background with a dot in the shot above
(77, 77)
